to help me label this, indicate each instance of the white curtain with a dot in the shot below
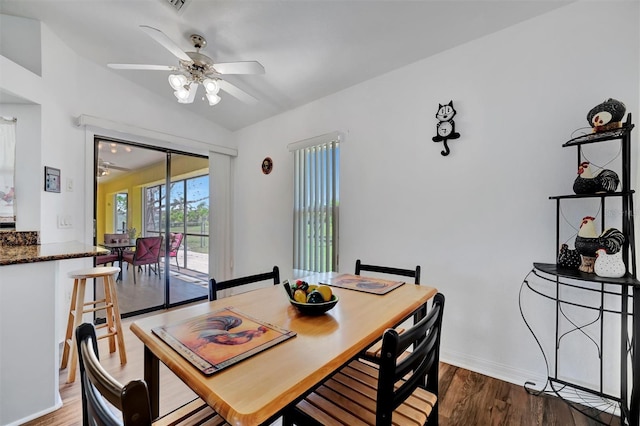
(316, 201)
(7, 168)
(220, 217)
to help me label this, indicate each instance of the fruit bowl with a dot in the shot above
(315, 308)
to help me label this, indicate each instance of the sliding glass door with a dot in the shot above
(144, 193)
(188, 221)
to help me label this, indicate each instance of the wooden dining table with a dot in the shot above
(257, 389)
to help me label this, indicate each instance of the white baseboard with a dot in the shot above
(493, 369)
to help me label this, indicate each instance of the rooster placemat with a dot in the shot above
(366, 284)
(219, 339)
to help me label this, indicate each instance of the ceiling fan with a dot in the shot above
(105, 167)
(197, 68)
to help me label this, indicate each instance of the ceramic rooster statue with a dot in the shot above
(568, 258)
(607, 115)
(609, 265)
(604, 181)
(588, 242)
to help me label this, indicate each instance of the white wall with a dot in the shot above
(477, 219)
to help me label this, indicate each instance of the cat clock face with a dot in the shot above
(445, 112)
(445, 129)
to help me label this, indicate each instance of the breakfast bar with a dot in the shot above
(29, 351)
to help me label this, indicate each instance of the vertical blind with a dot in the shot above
(315, 207)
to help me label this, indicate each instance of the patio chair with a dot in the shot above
(107, 258)
(402, 389)
(147, 253)
(223, 285)
(113, 238)
(132, 399)
(373, 352)
(175, 241)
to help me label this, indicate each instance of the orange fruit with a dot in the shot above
(311, 288)
(326, 292)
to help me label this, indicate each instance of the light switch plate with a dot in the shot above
(64, 221)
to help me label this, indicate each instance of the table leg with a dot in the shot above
(120, 258)
(152, 377)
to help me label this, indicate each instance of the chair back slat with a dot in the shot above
(412, 273)
(215, 286)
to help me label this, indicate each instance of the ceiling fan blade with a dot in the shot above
(237, 92)
(142, 67)
(122, 169)
(166, 42)
(246, 67)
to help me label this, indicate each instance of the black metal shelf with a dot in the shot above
(616, 296)
(607, 135)
(603, 195)
(554, 269)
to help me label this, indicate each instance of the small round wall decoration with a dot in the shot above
(267, 165)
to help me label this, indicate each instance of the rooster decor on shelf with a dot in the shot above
(604, 180)
(568, 258)
(609, 265)
(588, 242)
(607, 115)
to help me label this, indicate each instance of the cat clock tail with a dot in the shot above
(446, 150)
(444, 140)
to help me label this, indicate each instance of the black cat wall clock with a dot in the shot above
(446, 127)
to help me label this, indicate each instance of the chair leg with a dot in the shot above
(433, 417)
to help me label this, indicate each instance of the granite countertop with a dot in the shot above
(14, 255)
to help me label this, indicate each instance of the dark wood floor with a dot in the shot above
(466, 398)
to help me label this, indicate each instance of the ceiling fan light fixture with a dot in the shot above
(177, 81)
(182, 94)
(211, 86)
(213, 99)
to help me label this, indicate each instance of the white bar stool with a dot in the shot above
(78, 307)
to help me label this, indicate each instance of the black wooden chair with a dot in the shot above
(373, 352)
(412, 273)
(214, 286)
(402, 388)
(131, 399)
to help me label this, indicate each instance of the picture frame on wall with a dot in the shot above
(51, 179)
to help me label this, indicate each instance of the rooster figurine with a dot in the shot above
(609, 265)
(607, 115)
(588, 242)
(604, 181)
(568, 258)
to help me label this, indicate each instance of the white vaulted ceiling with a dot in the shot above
(309, 49)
